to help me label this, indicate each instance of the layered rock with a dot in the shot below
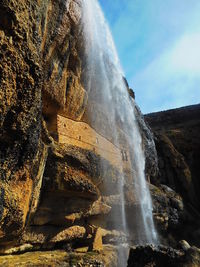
(108, 258)
(60, 194)
(22, 154)
(39, 65)
(177, 143)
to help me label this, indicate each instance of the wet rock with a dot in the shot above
(151, 163)
(99, 208)
(168, 208)
(155, 256)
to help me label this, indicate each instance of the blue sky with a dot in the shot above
(158, 42)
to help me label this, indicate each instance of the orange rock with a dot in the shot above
(72, 233)
(97, 243)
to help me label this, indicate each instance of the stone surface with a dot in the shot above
(22, 154)
(108, 258)
(184, 245)
(70, 233)
(151, 163)
(62, 90)
(178, 146)
(177, 143)
(45, 183)
(161, 256)
(48, 237)
(168, 211)
(55, 195)
(40, 75)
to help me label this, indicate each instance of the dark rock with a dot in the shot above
(168, 210)
(177, 142)
(151, 256)
(151, 163)
(178, 148)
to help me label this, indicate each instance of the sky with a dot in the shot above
(158, 42)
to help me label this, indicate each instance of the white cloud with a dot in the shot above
(185, 56)
(159, 41)
(173, 78)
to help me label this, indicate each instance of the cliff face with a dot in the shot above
(176, 189)
(59, 191)
(178, 147)
(22, 151)
(55, 192)
(38, 66)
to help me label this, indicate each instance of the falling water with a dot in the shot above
(106, 86)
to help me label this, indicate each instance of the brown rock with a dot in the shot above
(72, 233)
(97, 243)
(20, 110)
(37, 41)
(178, 145)
(107, 258)
(177, 142)
(99, 207)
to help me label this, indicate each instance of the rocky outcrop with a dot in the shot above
(62, 89)
(178, 147)
(56, 196)
(22, 154)
(40, 74)
(59, 258)
(151, 158)
(169, 213)
(162, 256)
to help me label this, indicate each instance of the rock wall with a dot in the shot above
(80, 134)
(51, 194)
(178, 147)
(39, 65)
(22, 153)
(55, 195)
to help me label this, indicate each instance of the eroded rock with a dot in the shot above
(177, 143)
(155, 256)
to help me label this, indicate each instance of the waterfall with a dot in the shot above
(104, 82)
